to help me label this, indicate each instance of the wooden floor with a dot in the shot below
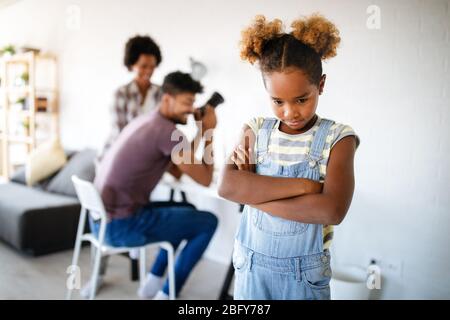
(24, 277)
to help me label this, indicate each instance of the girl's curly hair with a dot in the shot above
(312, 40)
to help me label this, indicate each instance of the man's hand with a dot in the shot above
(244, 159)
(209, 120)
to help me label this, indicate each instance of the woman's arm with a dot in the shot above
(246, 187)
(329, 207)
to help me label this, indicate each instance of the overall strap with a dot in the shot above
(264, 134)
(319, 140)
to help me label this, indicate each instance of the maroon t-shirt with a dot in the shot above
(134, 164)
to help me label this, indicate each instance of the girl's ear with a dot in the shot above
(322, 83)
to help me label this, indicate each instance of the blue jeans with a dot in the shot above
(166, 223)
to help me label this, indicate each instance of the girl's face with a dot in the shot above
(294, 99)
(144, 67)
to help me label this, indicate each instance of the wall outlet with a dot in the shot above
(390, 267)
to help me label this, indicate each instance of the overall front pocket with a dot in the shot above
(277, 226)
(317, 278)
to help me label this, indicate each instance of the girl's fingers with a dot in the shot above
(240, 155)
(249, 155)
(246, 154)
(236, 160)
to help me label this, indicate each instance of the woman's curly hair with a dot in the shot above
(312, 40)
(140, 45)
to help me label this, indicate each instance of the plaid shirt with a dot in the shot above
(128, 105)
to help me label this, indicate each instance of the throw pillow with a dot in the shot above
(44, 161)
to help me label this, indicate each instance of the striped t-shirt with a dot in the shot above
(288, 149)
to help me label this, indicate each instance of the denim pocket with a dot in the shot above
(317, 278)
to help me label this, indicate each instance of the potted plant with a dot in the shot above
(23, 102)
(25, 77)
(9, 50)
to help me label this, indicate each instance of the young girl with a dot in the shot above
(294, 173)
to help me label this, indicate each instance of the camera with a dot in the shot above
(215, 99)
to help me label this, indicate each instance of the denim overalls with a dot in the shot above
(275, 258)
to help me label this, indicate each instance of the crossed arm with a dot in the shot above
(295, 199)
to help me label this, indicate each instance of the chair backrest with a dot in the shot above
(89, 198)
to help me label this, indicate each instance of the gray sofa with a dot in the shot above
(44, 218)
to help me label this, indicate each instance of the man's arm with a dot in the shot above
(173, 169)
(330, 206)
(199, 170)
(243, 185)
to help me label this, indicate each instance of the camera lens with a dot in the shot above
(215, 99)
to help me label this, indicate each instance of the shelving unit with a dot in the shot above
(29, 112)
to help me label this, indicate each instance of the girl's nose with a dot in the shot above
(290, 112)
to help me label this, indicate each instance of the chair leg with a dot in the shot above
(224, 295)
(93, 250)
(134, 269)
(171, 271)
(142, 265)
(76, 253)
(95, 273)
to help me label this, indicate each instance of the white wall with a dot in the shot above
(391, 85)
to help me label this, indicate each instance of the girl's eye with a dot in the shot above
(302, 100)
(277, 102)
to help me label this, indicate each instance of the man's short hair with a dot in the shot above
(179, 82)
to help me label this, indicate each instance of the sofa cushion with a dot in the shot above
(37, 221)
(44, 161)
(19, 175)
(82, 165)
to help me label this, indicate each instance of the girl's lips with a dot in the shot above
(293, 123)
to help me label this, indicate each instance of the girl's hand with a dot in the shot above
(244, 159)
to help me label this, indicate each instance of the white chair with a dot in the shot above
(92, 204)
